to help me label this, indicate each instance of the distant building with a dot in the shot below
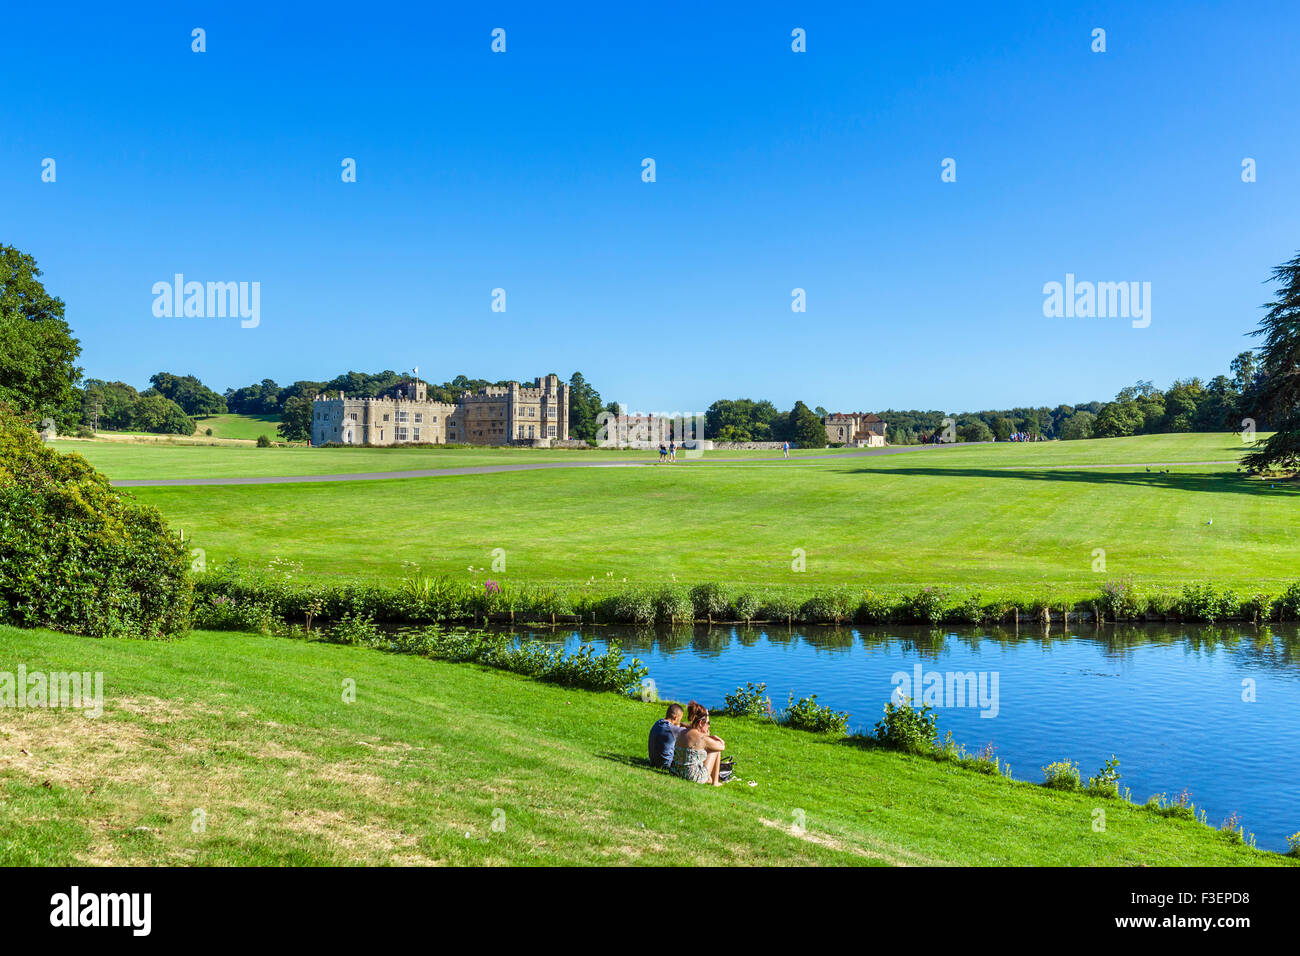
(536, 414)
(855, 430)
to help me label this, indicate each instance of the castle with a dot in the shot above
(536, 414)
(855, 430)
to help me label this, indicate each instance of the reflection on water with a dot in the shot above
(1208, 709)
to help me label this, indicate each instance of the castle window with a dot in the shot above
(416, 436)
(550, 431)
(419, 418)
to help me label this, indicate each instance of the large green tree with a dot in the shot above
(157, 413)
(743, 419)
(1276, 397)
(38, 371)
(189, 393)
(584, 407)
(805, 429)
(295, 420)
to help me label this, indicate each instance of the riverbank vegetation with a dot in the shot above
(277, 597)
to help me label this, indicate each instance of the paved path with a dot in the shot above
(522, 466)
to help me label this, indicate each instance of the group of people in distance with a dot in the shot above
(688, 750)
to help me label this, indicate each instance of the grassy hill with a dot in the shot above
(249, 737)
(247, 427)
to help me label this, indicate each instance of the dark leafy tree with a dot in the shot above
(189, 393)
(38, 371)
(805, 429)
(295, 420)
(1277, 397)
(584, 408)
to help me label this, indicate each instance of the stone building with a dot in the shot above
(536, 414)
(855, 430)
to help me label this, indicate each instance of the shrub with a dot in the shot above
(926, 606)
(1233, 829)
(825, 607)
(85, 431)
(630, 607)
(746, 607)
(807, 714)
(208, 432)
(985, 761)
(1293, 844)
(907, 728)
(780, 607)
(591, 671)
(1162, 603)
(1106, 783)
(1061, 775)
(1202, 602)
(749, 701)
(1181, 807)
(354, 629)
(1258, 608)
(78, 556)
(1120, 600)
(218, 612)
(263, 441)
(875, 609)
(970, 610)
(673, 606)
(1288, 605)
(710, 601)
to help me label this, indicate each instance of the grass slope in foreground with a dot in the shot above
(1001, 519)
(253, 732)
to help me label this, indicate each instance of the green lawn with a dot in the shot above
(139, 460)
(1000, 518)
(239, 426)
(250, 737)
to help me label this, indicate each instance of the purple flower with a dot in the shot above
(491, 587)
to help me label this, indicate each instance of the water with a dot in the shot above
(1168, 701)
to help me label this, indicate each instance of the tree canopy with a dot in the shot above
(1275, 394)
(38, 353)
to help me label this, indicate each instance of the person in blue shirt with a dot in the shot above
(663, 737)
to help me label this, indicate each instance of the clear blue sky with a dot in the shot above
(775, 170)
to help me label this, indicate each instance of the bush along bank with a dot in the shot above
(279, 593)
(608, 671)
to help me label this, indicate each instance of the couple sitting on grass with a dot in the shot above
(688, 750)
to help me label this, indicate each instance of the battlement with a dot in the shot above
(494, 415)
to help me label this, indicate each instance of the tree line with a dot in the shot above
(39, 378)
